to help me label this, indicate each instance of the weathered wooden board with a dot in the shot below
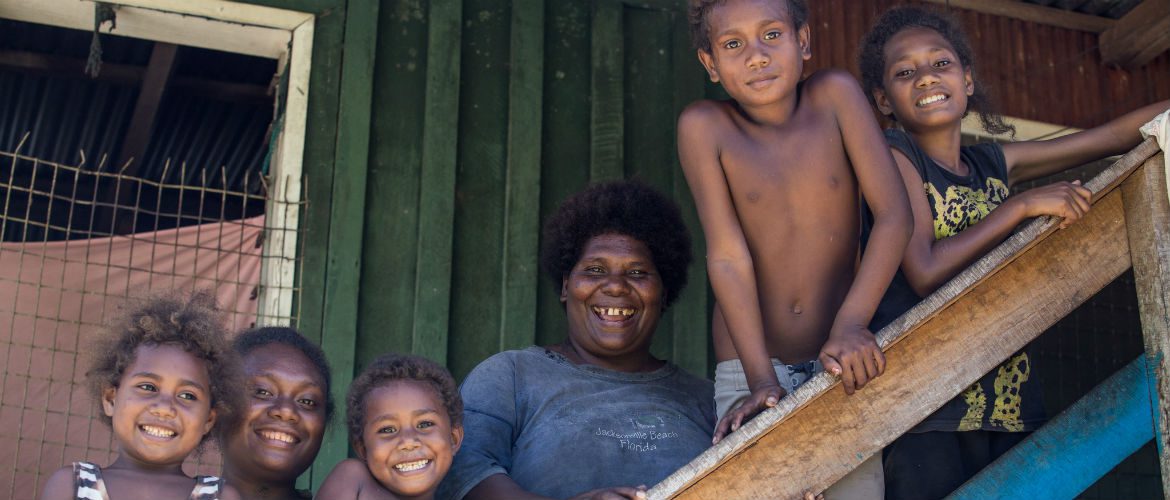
(346, 221)
(436, 211)
(1073, 450)
(1139, 36)
(964, 329)
(1147, 217)
(522, 192)
(607, 119)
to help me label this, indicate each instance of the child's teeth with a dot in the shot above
(157, 431)
(409, 466)
(932, 99)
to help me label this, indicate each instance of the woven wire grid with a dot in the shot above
(77, 243)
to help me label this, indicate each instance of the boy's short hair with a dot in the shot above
(192, 322)
(393, 367)
(871, 57)
(251, 339)
(629, 208)
(697, 11)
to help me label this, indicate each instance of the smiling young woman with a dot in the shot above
(288, 406)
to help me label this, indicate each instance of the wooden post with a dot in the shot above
(1147, 218)
(1073, 450)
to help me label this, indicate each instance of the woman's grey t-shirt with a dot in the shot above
(560, 429)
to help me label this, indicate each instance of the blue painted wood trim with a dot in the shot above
(1076, 448)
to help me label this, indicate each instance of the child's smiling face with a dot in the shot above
(925, 84)
(756, 52)
(161, 408)
(408, 440)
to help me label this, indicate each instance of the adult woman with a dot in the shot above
(289, 403)
(597, 410)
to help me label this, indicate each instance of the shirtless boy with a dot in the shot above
(777, 173)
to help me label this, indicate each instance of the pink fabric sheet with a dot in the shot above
(54, 297)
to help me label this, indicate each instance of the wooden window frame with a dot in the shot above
(280, 34)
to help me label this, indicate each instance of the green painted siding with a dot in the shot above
(486, 114)
(442, 133)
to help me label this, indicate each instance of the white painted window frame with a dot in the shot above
(283, 35)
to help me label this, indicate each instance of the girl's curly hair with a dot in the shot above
(393, 367)
(629, 208)
(191, 321)
(872, 60)
(697, 11)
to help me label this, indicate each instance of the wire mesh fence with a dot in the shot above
(77, 242)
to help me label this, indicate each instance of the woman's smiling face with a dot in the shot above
(281, 429)
(613, 299)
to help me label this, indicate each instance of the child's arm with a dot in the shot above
(851, 349)
(59, 486)
(929, 263)
(1027, 160)
(729, 263)
(345, 481)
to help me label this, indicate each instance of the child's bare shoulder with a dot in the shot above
(351, 468)
(705, 113)
(827, 86)
(59, 485)
(347, 480)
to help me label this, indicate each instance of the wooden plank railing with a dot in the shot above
(816, 435)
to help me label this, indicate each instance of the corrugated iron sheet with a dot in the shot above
(1034, 71)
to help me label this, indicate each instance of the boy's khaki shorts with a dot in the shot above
(866, 482)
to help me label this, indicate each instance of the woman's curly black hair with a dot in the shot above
(393, 367)
(629, 208)
(872, 59)
(191, 321)
(251, 339)
(697, 11)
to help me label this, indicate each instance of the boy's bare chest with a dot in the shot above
(787, 165)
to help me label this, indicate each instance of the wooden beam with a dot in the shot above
(1039, 14)
(1147, 218)
(1078, 447)
(155, 81)
(129, 75)
(227, 11)
(156, 25)
(1139, 36)
(522, 188)
(933, 351)
(130, 156)
(436, 211)
(606, 159)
